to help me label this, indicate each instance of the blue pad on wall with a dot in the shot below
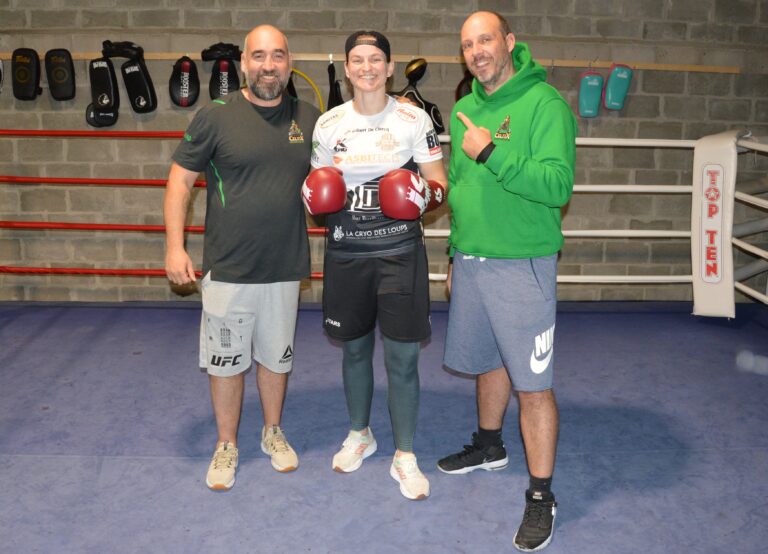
(619, 79)
(590, 93)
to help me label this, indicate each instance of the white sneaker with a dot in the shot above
(405, 470)
(356, 448)
(221, 471)
(275, 445)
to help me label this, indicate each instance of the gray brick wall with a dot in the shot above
(661, 104)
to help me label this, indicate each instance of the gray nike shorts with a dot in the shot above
(242, 323)
(502, 313)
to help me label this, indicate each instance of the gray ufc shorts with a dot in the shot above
(502, 313)
(245, 322)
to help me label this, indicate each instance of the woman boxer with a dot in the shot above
(366, 154)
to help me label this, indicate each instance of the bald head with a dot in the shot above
(265, 33)
(488, 21)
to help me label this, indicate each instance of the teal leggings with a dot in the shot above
(401, 360)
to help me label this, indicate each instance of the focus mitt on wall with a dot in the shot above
(184, 84)
(25, 74)
(60, 72)
(590, 93)
(413, 72)
(224, 75)
(615, 91)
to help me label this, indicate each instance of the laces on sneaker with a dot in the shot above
(537, 514)
(224, 457)
(470, 449)
(275, 438)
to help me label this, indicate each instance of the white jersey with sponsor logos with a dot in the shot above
(365, 148)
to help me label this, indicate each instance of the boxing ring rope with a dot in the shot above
(757, 226)
(732, 138)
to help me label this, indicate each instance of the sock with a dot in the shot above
(540, 488)
(489, 437)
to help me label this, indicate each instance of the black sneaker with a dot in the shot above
(473, 457)
(535, 531)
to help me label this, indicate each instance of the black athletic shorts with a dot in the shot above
(392, 289)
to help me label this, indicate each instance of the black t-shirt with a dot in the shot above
(255, 160)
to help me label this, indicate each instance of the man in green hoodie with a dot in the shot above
(511, 171)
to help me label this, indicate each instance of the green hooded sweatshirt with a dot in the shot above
(509, 207)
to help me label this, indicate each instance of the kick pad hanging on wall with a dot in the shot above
(590, 93)
(138, 83)
(105, 97)
(60, 72)
(25, 74)
(617, 86)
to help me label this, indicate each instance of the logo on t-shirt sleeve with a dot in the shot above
(433, 143)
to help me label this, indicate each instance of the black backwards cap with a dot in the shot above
(373, 38)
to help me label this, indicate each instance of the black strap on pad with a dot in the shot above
(25, 74)
(184, 84)
(138, 85)
(60, 71)
(104, 92)
(100, 118)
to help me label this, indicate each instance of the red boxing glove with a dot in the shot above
(436, 195)
(402, 194)
(324, 191)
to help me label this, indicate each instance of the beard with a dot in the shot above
(266, 90)
(493, 78)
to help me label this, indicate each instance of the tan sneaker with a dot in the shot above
(274, 444)
(221, 472)
(356, 448)
(405, 470)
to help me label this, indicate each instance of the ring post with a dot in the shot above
(714, 187)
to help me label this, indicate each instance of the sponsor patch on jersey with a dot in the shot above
(340, 146)
(295, 134)
(331, 119)
(406, 114)
(365, 198)
(433, 143)
(371, 159)
(388, 142)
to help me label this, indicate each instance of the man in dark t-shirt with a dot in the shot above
(254, 146)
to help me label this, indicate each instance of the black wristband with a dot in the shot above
(485, 153)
